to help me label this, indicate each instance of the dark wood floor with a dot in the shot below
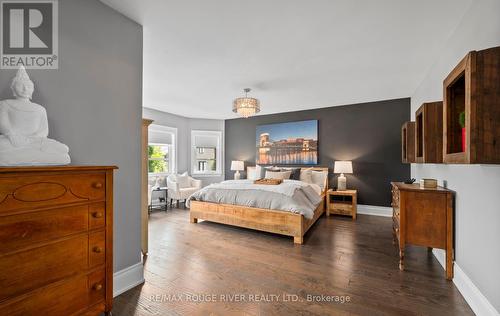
(350, 260)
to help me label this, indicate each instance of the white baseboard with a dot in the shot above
(128, 278)
(375, 210)
(476, 300)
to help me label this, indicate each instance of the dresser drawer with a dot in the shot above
(27, 270)
(97, 215)
(27, 229)
(67, 298)
(96, 287)
(31, 192)
(341, 208)
(97, 249)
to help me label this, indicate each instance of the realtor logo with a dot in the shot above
(29, 34)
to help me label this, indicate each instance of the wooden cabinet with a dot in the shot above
(342, 202)
(428, 133)
(56, 230)
(408, 142)
(423, 217)
(473, 88)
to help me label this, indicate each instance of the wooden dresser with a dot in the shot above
(423, 217)
(56, 230)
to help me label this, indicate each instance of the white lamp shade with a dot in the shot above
(342, 166)
(237, 165)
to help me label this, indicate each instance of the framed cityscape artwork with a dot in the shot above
(291, 143)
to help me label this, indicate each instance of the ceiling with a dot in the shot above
(294, 54)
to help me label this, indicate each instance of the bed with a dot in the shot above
(270, 220)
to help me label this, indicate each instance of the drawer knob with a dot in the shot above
(97, 215)
(97, 249)
(97, 185)
(97, 287)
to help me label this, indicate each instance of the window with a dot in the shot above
(159, 158)
(206, 156)
(162, 149)
(206, 159)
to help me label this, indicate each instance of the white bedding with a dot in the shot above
(291, 195)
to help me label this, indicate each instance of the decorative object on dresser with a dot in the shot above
(56, 232)
(24, 129)
(423, 217)
(237, 165)
(428, 133)
(342, 167)
(342, 202)
(428, 183)
(473, 87)
(408, 142)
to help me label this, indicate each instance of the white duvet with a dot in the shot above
(291, 195)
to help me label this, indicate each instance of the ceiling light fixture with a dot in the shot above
(246, 106)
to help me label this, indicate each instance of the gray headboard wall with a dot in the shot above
(367, 133)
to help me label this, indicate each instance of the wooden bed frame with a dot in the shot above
(268, 220)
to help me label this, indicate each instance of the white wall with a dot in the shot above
(477, 187)
(184, 126)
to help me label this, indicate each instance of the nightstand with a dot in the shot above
(342, 202)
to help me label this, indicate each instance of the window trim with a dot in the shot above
(174, 156)
(218, 153)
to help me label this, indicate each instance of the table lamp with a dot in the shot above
(237, 165)
(342, 167)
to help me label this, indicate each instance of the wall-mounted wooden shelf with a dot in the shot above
(473, 87)
(428, 133)
(408, 142)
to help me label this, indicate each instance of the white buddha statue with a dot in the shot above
(24, 129)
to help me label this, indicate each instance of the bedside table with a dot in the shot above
(342, 202)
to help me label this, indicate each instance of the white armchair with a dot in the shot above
(180, 187)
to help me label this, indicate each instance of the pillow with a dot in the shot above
(251, 173)
(183, 180)
(283, 175)
(295, 173)
(273, 169)
(306, 175)
(319, 178)
(260, 172)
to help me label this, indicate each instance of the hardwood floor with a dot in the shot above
(348, 259)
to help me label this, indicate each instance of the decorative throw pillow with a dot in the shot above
(319, 178)
(251, 174)
(295, 173)
(283, 175)
(260, 172)
(306, 175)
(273, 169)
(183, 180)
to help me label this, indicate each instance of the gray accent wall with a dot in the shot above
(369, 134)
(94, 105)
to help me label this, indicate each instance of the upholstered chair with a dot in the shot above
(180, 187)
